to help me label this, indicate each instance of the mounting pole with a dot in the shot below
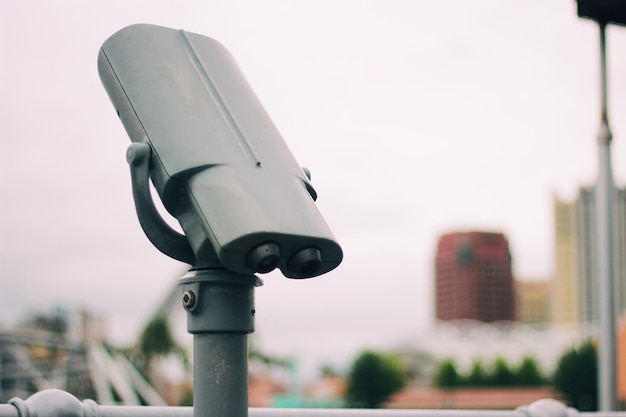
(220, 314)
(607, 378)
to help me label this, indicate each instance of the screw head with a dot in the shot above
(189, 300)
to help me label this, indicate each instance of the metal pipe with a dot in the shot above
(607, 378)
(220, 314)
(220, 375)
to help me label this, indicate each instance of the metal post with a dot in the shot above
(607, 378)
(220, 314)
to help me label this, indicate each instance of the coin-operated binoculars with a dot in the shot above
(222, 169)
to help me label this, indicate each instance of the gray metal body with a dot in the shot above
(218, 162)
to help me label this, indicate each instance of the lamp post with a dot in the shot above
(607, 381)
(604, 12)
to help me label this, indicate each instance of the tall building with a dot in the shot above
(473, 277)
(574, 293)
(533, 301)
(564, 294)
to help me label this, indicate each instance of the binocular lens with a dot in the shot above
(306, 262)
(264, 258)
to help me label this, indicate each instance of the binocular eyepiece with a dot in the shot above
(266, 257)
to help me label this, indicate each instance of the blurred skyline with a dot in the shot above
(415, 118)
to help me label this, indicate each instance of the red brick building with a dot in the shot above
(473, 277)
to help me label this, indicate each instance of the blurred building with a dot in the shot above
(327, 391)
(468, 398)
(533, 301)
(473, 277)
(564, 292)
(65, 350)
(574, 297)
(262, 390)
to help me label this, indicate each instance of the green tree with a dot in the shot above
(372, 379)
(446, 375)
(576, 377)
(501, 375)
(528, 373)
(156, 340)
(477, 376)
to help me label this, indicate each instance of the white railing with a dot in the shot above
(57, 403)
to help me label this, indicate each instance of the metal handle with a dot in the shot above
(162, 236)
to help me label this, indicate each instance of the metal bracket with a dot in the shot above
(162, 236)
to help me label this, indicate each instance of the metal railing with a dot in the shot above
(58, 403)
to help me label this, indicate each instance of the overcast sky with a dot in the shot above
(416, 118)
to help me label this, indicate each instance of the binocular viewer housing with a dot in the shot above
(217, 161)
